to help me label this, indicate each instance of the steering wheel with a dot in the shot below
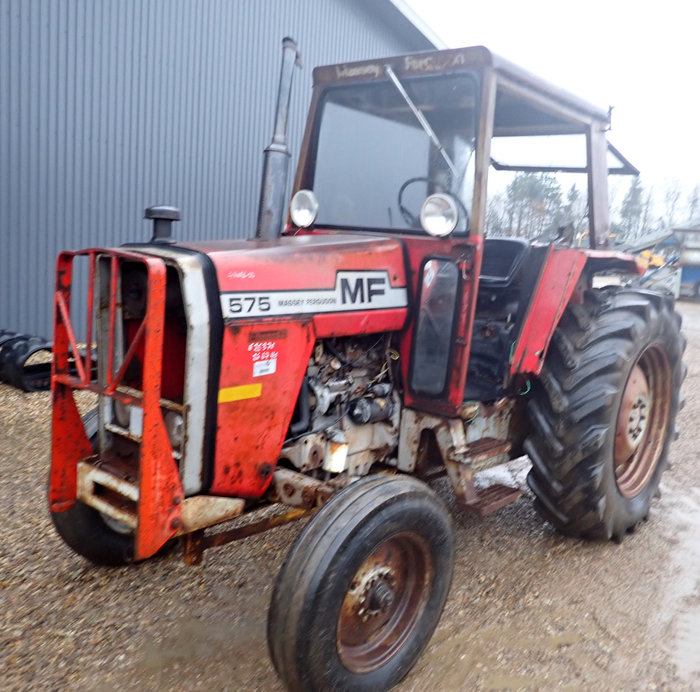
(414, 221)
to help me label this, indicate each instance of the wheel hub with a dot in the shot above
(384, 602)
(633, 419)
(380, 598)
(374, 593)
(642, 422)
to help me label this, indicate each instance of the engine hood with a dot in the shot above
(317, 275)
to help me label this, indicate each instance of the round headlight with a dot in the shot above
(303, 208)
(439, 215)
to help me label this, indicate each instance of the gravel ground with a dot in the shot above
(528, 609)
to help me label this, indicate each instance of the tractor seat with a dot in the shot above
(502, 259)
(509, 269)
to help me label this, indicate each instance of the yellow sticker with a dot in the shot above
(244, 391)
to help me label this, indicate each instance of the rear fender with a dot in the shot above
(565, 274)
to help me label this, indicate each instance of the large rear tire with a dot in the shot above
(88, 532)
(362, 588)
(603, 412)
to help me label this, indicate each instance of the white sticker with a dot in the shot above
(353, 290)
(264, 367)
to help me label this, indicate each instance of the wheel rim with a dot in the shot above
(642, 421)
(384, 602)
(117, 526)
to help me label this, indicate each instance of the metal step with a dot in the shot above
(490, 499)
(481, 451)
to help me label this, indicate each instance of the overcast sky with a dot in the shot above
(641, 57)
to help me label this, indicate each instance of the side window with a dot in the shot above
(434, 327)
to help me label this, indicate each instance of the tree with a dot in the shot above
(672, 193)
(495, 216)
(647, 212)
(631, 210)
(694, 206)
(532, 204)
(576, 210)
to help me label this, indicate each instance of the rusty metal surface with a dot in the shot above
(491, 499)
(159, 487)
(303, 493)
(462, 458)
(488, 420)
(642, 422)
(195, 543)
(298, 490)
(486, 448)
(235, 534)
(633, 416)
(201, 511)
(193, 548)
(385, 601)
(108, 494)
(485, 435)
(462, 480)
(481, 501)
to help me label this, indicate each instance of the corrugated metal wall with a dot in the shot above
(107, 107)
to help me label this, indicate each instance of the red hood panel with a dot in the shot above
(312, 275)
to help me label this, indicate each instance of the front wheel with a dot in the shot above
(603, 412)
(90, 533)
(362, 588)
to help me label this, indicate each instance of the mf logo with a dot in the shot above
(361, 289)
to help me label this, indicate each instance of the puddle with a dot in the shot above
(681, 611)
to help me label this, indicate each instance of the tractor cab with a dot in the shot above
(411, 147)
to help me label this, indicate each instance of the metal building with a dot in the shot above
(110, 106)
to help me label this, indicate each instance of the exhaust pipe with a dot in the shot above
(275, 168)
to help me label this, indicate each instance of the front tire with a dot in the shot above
(603, 412)
(86, 531)
(362, 588)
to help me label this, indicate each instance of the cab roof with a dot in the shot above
(526, 104)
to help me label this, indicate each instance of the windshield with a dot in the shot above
(376, 162)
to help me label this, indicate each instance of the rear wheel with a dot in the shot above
(100, 539)
(362, 588)
(603, 412)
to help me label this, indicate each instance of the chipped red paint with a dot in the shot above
(255, 411)
(558, 278)
(309, 261)
(160, 488)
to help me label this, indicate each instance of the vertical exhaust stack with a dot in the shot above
(275, 168)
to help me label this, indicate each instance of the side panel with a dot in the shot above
(261, 374)
(467, 256)
(560, 273)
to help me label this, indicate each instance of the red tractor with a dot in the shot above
(333, 365)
